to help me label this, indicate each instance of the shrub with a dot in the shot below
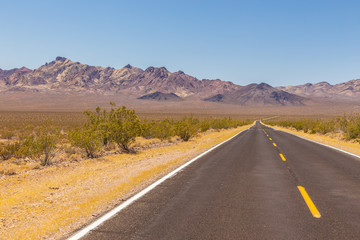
(124, 127)
(187, 128)
(163, 130)
(205, 125)
(41, 144)
(147, 129)
(88, 139)
(348, 125)
(9, 150)
(99, 121)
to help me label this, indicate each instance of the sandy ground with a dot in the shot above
(79, 102)
(51, 202)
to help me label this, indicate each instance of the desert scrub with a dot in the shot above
(41, 144)
(124, 127)
(88, 139)
(7, 134)
(347, 125)
(9, 150)
(187, 128)
(119, 125)
(46, 137)
(161, 129)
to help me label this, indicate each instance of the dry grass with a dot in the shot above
(334, 140)
(51, 202)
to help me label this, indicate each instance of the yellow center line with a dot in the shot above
(267, 135)
(274, 144)
(309, 202)
(282, 157)
(270, 139)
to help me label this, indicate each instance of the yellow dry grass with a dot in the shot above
(51, 202)
(335, 141)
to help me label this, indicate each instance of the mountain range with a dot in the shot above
(65, 76)
(349, 89)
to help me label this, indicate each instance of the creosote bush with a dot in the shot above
(348, 125)
(41, 137)
(41, 144)
(90, 140)
(124, 127)
(187, 128)
(9, 150)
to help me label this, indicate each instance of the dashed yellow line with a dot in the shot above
(282, 157)
(270, 139)
(309, 203)
(274, 144)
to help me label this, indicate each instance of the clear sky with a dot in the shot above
(281, 42)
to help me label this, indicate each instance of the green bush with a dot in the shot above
(41, 145)
(348, 125)
(99, 121)
(205, 125)
(87, 139)
(9, 150)
(187, 128)
(119, 125)
(162, 130)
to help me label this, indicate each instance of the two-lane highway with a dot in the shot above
(250, 188)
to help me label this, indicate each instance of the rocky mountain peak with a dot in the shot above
(61, 59)
(323, 83)
(263, 86)
(161, 72)
(24, 69)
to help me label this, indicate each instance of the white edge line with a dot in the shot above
(140, 194)
(322, 144)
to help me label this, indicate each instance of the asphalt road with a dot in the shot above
(245, 190)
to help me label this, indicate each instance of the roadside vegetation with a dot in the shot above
(47, 138)
(346, 126)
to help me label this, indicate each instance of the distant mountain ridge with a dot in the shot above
(258, 95)
(349, 89)
(65, 76)
(159, 96)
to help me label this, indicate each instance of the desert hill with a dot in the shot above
(258, 95)
(159, 96)
(349, 89)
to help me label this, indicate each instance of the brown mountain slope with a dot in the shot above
(258, 95)
(7, 73)
(7, 76)
(349, 89)
(159, 96)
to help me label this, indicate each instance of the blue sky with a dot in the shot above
(278, 42)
